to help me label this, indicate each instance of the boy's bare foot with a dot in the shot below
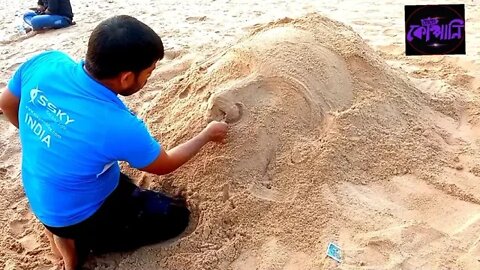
(68, 251)
(53, 246)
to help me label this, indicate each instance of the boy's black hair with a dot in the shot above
(122, 43)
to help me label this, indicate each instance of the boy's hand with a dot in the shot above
(216, 131)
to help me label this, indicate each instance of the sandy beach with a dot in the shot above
(335, 136)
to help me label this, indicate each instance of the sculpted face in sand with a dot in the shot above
(282, 85)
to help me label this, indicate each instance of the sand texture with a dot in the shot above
(334, 135)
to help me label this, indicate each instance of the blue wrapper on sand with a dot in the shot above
(334, 252)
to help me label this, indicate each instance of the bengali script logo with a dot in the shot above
(435, 29)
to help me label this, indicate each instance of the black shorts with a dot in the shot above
(129, 218)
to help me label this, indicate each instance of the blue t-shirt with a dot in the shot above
(73, 132)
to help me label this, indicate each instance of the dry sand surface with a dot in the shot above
(335, 136)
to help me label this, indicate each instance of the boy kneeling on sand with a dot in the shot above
(74, 129)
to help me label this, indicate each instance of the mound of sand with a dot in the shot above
(327, 143)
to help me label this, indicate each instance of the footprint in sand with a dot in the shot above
(3, 171)
(391, 32)
(196, 18)
(29, 242)
(20, 229)
(17, 38)
(17, 227)
(266, 192)
(359, 22)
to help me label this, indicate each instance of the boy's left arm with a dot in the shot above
(9, 104)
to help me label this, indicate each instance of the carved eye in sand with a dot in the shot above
(226, 110)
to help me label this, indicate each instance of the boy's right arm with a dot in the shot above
(169, 161)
